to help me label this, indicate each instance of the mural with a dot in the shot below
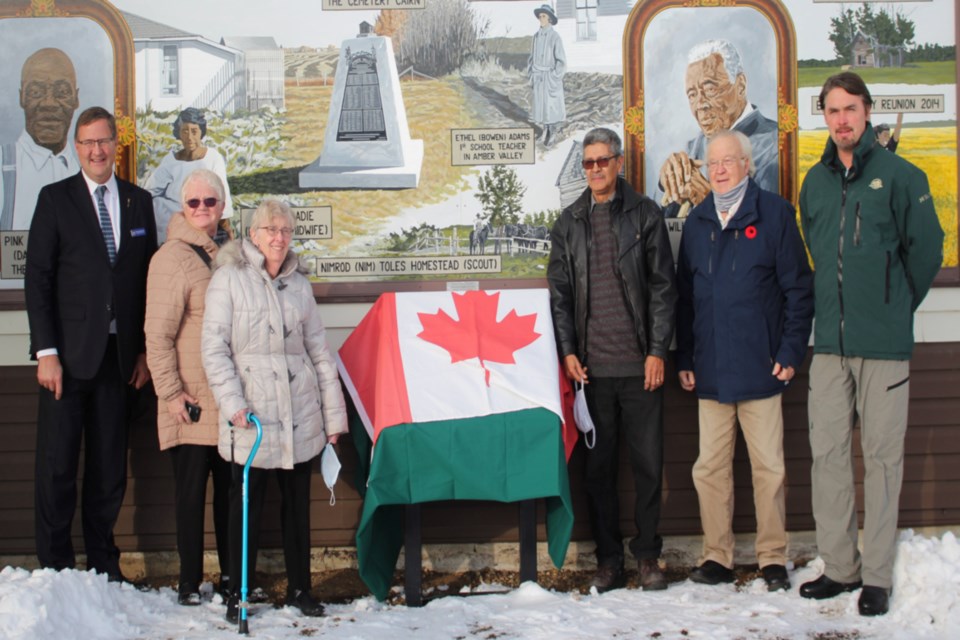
(57, 62)
(438, 141)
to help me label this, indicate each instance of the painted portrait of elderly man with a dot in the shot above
(704, 73)
(53, 70)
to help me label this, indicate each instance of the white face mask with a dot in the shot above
(581, 415)
(330, 468)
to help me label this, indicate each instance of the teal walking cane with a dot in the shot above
(244, 629)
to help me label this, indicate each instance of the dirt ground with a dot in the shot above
(344, 585)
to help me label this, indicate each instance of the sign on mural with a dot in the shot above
(438, 140)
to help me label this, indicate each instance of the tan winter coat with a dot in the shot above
(265, 348)
(176, 289)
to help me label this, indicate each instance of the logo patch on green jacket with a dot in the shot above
(876, 183)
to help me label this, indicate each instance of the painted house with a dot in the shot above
(868, 52)
(177, 69)
(587, 28)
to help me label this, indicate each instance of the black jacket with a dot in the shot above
(646, 272)
(71, 289)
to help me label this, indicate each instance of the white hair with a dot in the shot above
(205, 176)
(746, 148)
(729, 53)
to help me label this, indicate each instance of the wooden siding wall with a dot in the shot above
(931, 489)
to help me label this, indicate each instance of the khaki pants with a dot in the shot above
(762, 425)
(878, 392)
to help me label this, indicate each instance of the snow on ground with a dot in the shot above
(926, 604)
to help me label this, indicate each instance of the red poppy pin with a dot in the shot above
(750, 232)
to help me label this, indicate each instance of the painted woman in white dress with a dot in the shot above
(165, 182)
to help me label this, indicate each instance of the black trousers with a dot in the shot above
(621, 405)
(92, 413)
(192, 465)
(295, 522)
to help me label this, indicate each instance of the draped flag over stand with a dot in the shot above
(441, 356)
(462, 398)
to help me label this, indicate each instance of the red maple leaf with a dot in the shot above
(477, 334)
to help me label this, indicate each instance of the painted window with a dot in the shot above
(170, 73)
(587, 19)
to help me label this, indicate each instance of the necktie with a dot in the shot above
(105, 225)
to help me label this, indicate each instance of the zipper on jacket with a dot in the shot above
(713, 247)
(856, 228)
(886, 286)
(843, 222)
(736, 236)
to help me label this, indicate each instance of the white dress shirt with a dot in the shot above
(36, 167)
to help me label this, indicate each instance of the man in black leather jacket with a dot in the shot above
(613, 298)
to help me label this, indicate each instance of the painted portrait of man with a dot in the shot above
(41, 154)
(709, 77)
(54, 69)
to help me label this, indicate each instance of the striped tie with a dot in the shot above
(105, 225)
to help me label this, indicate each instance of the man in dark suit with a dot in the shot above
(89, 247)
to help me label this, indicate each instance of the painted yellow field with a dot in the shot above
(933, 150)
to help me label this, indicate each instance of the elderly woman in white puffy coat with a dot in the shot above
(264, 350)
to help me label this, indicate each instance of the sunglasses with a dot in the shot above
(601, 163)
(194, 203)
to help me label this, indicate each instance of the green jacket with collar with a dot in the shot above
(876, 245)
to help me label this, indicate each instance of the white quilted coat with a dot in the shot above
(264, 347)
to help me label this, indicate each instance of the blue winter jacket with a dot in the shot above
(746, 297)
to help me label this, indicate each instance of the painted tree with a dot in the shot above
(500, 193)
(439, 38)
(842, 31)
(544, 218)
(390, 22)
(891, 29)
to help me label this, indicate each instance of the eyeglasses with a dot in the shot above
(209, 203)
(726, 163)
(287, 232)
(99, 142)
(601, 163)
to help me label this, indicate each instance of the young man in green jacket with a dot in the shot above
(876, 243)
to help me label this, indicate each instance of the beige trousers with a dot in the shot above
(762, 425)
(878, 392)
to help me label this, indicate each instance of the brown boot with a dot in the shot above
(651, 577)
(607, 577)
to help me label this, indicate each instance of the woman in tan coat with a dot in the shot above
(187, 415)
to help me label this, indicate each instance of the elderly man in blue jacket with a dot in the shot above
(743, 322)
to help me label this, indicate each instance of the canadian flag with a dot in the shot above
(423, 357)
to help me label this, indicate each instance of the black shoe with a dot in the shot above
(233, 609)
(607, 577)
(775, 575)
(711, 572)
(823, 587)
(874, 601)
(119, 578)
(188, 595)
(303, 601)
(257, 596)
(223, 587)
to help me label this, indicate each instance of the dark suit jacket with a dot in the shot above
(72, 291)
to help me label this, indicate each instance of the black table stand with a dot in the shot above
(413, 541)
